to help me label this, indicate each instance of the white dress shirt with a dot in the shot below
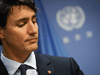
(12, 66)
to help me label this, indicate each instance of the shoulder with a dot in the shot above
(63, 65)
(56, 60)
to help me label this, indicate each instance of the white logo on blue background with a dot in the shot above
(70, 18)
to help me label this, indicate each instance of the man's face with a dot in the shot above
(21, 32)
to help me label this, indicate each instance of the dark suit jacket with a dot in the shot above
(57, 66)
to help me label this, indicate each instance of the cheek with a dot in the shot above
(19, 35)
(15, 35)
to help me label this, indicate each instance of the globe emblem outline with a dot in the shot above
(70, 18)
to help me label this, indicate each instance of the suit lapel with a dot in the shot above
(44, 66)
(3, 70)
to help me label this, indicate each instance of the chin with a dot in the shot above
(33, 48)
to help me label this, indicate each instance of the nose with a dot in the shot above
(32, 29)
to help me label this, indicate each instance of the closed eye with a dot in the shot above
(21, 24)
(34, 22)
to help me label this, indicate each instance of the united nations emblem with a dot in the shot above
(70, 18)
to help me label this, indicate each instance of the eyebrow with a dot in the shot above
(26, 18)
(34, 16)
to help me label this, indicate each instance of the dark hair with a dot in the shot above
(5, 6)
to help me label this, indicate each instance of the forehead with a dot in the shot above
(17, 12)
(17, 9)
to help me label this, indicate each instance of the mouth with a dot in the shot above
(32, 40)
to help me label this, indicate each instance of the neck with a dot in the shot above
(16, 55)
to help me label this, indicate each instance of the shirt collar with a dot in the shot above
(12, 66)
(31, 61)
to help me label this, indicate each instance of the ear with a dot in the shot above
(1, 33)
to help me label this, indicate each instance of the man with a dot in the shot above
(19, 36)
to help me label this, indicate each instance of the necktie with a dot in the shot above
(23, 69)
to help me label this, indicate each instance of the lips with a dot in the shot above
(32, 40)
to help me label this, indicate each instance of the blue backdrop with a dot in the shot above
(49, 43)
(76, 24)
